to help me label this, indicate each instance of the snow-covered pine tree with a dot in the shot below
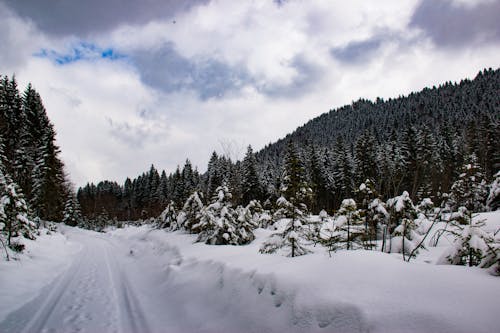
(251, 185)
(343, 170)
(294, 185)
(321, 180)
(256, 211)
(215, 175)
(366, 194)
(72, 214)
(291, 205)
(168, 218)
(350, 224)
(189, 216)
(402, 214)
(472, 246)
(379, 216)
(429, 163)
(469, 190)
(153, 184)
(315, 227)
(14, 221)
(247, 222)
(189, 179)
(365, 157)
(218, 225)
(291, 239)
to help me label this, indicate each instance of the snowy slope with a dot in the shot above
(144, 280)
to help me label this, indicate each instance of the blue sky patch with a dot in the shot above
(78, 52)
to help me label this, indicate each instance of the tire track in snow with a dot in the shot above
(43, 306)
(78, 300)
(131, 313)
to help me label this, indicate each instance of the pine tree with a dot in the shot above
(218, 224)
(247, 221)
(343, 170)
(321, 181)
(189, 180)
(316, 226)
(153, 184)
(429, 164)
(14, 221)
(251, 186)
(471, 245)
(214, 174)
(469, 190)
(402, 214)
(168, 218)
(72, 213)
(294, 183)
(350, 224)
(189, 218)
(365, 157)
(366, 194)
(291, 205)
(177, 185)
(291, 239)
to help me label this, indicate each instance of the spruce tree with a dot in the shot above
(471, 246)
(366, 194)
(350, 224)
(251, 185)
(168, 218)
(214, 174)
(321, 181)
(189, 218)
(14, 221)
(469, 190)
(402, 215)
(218, 224)
(292, 204)
(291, 239)
(72, 212)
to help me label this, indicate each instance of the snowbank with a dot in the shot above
(22, 278)
(352, 291)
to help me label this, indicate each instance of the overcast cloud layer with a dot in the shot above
(130, 83)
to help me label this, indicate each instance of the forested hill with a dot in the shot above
(418, 143)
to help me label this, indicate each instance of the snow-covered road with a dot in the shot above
(93, 295)
(142, 284)
(145, 280)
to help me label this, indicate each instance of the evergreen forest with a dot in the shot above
(416, 143)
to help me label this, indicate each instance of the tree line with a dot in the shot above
(416, 143)
(33, 184)
(364, 221)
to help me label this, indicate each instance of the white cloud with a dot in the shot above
(471, 3)
(111, 124)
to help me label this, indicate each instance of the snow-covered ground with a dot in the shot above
(138, 279)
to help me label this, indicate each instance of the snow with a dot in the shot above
(42, 261)
(491, 220)
(138, 279)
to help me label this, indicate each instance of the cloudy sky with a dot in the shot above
(130, 83)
